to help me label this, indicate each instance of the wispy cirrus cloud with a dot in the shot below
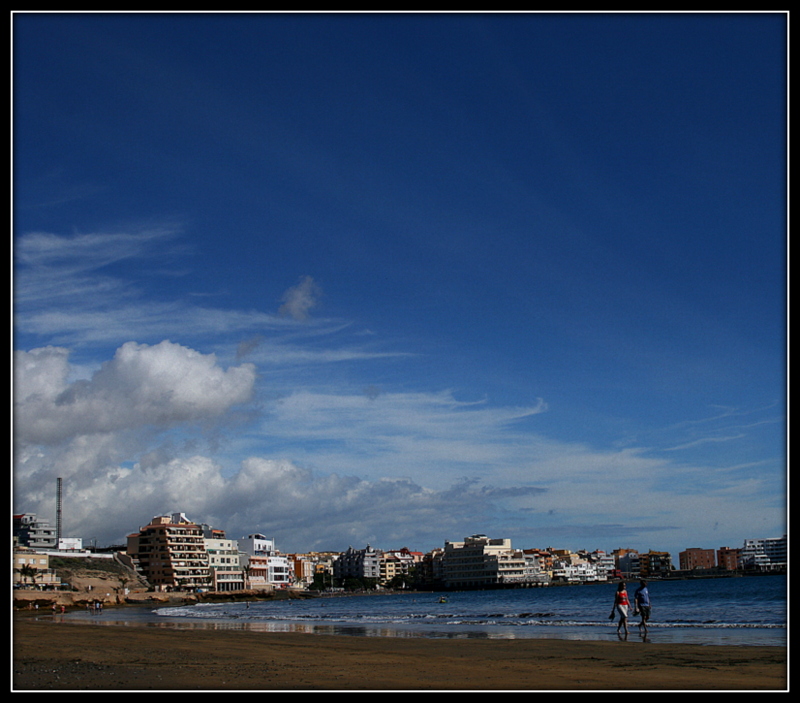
(71, 290)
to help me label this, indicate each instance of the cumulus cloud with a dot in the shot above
(329, 469)
(299, 299)
(110, 435)
(300, 508)
(164, 385)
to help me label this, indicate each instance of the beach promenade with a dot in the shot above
(54, 654)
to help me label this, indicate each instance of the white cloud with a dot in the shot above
(300, 508)
(326, 465)
(162, 385)
(299, 299)
(56, 270)
(391, 469)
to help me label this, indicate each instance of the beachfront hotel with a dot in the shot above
(170, 552)
(479, 562)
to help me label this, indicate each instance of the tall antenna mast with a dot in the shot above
(58, 512)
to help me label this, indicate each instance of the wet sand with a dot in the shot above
(50, 654)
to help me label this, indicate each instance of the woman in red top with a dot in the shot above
(621, 606)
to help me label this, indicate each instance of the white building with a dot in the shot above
(604, 563)
(479, 562)
(576, 571)
(70, 544)
(257, 545)
(764, 554)
(223, 562)
(262, 564)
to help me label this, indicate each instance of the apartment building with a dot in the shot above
(654, 564)
(604, 563)
(358, 563)
(395, 563)
(764, 554)
(170, 552)
(728, 558)
(479, 561)
(578, 568)
(264, 567)
(544, 560)
(303, 569)
(628, 562)
(32, 570)
(431, 566)
(29, 531)
(224, 564)
(696, 558)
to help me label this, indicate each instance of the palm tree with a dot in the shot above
(26, 571)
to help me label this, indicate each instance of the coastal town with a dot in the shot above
(174, 554)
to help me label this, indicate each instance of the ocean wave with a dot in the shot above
(432, 619)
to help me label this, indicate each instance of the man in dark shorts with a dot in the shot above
(641, 604)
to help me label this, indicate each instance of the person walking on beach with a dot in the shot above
(621, 607)
(641, 605)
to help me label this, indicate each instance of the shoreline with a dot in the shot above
(141, 612)
(55, 654)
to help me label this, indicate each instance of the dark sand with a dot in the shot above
(51, 654)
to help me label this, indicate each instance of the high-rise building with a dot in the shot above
(170, 553)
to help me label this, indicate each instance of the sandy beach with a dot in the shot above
(51, 654)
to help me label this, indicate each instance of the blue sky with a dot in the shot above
(398, 279)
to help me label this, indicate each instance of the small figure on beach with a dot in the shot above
(621, 607)
(641, 605)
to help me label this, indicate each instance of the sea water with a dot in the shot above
(735, 611)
